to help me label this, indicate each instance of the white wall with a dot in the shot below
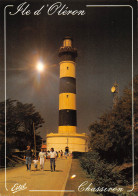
(74, 143)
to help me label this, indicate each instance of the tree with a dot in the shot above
(111, 135)
(19, 125)
(27, 116)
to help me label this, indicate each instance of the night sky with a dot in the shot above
(103, 38)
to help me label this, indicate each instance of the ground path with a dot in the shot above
(37, 180)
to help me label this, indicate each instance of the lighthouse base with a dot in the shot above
(74, 142)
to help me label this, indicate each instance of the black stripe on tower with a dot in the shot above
(67, 117)
(67, 57)
(67, 54)
(68, 85)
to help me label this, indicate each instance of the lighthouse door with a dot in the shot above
(67, 149)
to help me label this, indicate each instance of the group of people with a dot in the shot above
(52, 155)
(60, 154)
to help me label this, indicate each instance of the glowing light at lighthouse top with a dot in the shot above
(67, 43)
(67, 52)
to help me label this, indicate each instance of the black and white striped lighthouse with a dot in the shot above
(67, 93)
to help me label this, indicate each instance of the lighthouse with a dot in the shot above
(67, 137)
(67, 93)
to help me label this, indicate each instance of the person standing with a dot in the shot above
(35, 163)
(42, 156)
(28, 156)
(61, 153)
(52, 156)
(65, 154)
